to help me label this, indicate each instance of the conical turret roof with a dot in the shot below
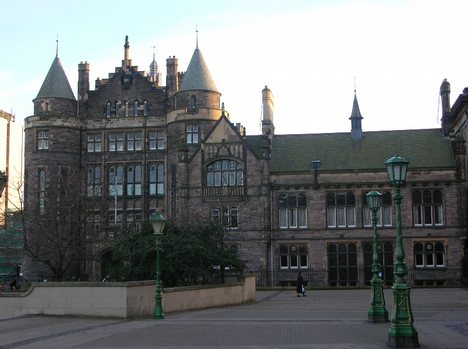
(197, 76)
(56, 84)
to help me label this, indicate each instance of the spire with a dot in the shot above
(56, 83)
(356, 117)
(196, 29)
(56, 47)
(198, 76)
(154, 74)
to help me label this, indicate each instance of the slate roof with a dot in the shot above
(56, 83)
(339, 152)
(197, 76)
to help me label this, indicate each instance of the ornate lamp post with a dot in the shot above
(158, 222)
(377, 311)
(401, 332)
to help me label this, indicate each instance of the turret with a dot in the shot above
(55, 96)
(154, 74)
(356, 117)
(198, 89)
(268, 128)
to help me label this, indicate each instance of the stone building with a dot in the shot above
(290, 203)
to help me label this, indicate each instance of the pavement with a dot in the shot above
(325, 319)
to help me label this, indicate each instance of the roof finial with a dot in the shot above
(354, 84)
(56, 47)
(196, 29)
(154, 52)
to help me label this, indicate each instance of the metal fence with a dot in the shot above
(321, 278)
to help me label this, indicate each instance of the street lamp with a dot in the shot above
(377, 311)
(158, 222)
(401, 332)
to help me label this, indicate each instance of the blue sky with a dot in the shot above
(311, 54)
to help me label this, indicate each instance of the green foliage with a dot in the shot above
(189, 255)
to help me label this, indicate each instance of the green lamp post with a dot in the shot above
(158, 222)
(377, 311)
(401, 334)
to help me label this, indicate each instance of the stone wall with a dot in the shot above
(119, 299)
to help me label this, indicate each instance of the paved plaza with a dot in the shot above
(326, 319)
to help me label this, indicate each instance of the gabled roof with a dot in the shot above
(197, 76)
(56, 83)
(339, 152)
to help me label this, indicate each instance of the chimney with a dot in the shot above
(268, 128)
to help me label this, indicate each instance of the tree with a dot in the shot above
(190, 255)
(54, 225)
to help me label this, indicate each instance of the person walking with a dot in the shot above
(300, 289)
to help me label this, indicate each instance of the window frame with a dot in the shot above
(156, 178)
(342, 210)
(192, 134)
(291, 208)
(385, 211)
(43, 140)
(427, 211)
(293, 256)
(426, 254)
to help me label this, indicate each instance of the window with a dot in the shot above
(93, 222)
(430, 254)
(427, 207)
(227, 215)
(42, 188)
(193, 102)
(94, 181)
(115, 180)
(156, 179)
(108, 109)
(134, 221)
(116, 142)
(293, 256)
(145, 108)
(135, 108)
(114, 219)
(341, 210)
(43, 140)
(385, 254)
(157, 140)
(342, 264)
(118, 106)
(292, 210)
(192, 133)
(94, 143)
(134, 141)
(134, 180)
(384, 214)
(126, 108)
(225, 173)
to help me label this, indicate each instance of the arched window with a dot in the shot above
(145, 108)
(135, 108)
(118, 105)
(126, 108)
(225, 173)
(115, 178)
(156, 179)
(108, 109)
(134, 180)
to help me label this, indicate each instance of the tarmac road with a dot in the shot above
(325, 319)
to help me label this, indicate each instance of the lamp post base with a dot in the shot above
(401, 333)
(377, 312)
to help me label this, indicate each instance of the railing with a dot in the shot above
(223, 191)
(320, 278)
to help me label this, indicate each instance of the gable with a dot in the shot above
(223, 132)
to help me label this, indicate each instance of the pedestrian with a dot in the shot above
(300, 285)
